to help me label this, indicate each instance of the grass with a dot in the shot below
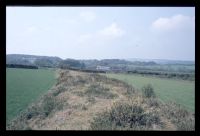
(71, 105)
(24, 86)
(179, 91)
(99, 91)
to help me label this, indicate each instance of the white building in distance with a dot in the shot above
(104, 68)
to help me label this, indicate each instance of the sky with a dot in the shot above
(102, 32)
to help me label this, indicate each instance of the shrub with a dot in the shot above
(148, 91)
(125, 116)
(32, 112)
(48, 104)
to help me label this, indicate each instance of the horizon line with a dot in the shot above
(102, 58)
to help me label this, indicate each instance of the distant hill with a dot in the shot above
(41, 61)
(120, 64)
(115, 62)
(163, 61)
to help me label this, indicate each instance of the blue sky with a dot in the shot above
(102, 32)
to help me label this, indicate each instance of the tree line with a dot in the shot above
(21, 66)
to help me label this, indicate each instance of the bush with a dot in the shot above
(32, 112)
(48, 105)
(148, 91)
(125, 116)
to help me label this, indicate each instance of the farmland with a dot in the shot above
(75, 95)
(182, 92)
(90, 101)
(23, 86)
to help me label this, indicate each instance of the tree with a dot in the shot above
(71, 63)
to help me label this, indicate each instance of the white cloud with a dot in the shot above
(88, 16)
(113, 31)
(176, 22)
(105, 35)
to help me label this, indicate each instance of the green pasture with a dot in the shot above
(179, 91)
(23, 86)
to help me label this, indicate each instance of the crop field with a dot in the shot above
(179, 91)
(23, 86)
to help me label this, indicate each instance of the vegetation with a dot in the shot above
(143, 115)
(40, 61)
(73, 105)
(98, 90)
(124, 116)
(181, 92)
(183, 119)
(162, 74)
(71, 63)
(24, 86)
(21, 66)
(172, 69)
(148, 91)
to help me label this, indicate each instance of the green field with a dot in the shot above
(23, 86)
(179, 91)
